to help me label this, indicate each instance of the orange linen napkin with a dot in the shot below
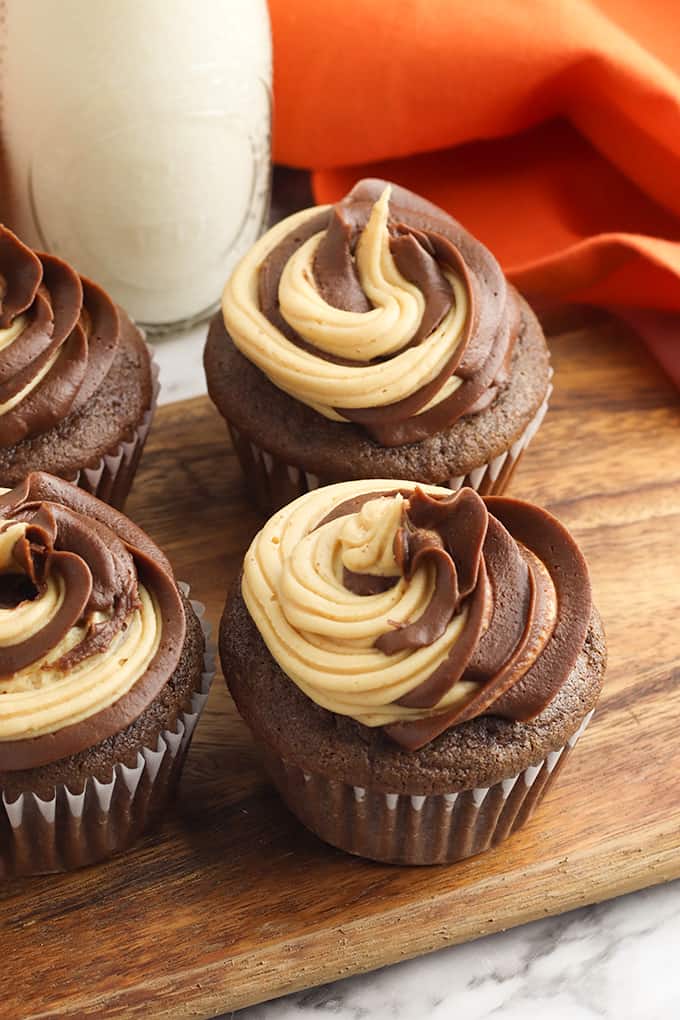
(550, 128)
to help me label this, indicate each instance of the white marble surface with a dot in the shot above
(615, 961)
(180, 356)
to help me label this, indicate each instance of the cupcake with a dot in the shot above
(375, 339)
(77, 384)
(416, 664)
(102, 678)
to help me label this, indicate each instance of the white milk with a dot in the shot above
(137, 140)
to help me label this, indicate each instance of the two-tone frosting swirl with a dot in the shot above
(91, 622)
(380, 310)
(414, 608)
(58, 337)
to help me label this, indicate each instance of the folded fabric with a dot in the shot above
(550, 129)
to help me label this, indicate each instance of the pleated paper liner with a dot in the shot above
(72, 830)
(272, 483)
(396, 828)
(110, 479)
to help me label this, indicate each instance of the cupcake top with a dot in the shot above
(91, 622)
(414, 608)
(381, 310)
(59, 334)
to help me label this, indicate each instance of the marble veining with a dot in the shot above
(613, 961)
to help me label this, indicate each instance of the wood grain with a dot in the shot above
(233, 902)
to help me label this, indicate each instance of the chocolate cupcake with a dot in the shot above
(102, 678)
(415, 663)
(375, 339)
(77, 383)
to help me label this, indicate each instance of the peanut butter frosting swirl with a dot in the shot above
(91, 622)
(380, 310)
(58, 337)
(414, 608)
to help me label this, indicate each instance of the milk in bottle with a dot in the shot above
(136, 137)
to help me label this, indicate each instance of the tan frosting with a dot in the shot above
(11, 333)
(486, 614)
(322, 634)
(42, 700)
(385, 330)
(30, 386)
(367, 538)
(7, 338)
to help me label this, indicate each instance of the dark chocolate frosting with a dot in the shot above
(67, 333)
(425, 244)
(503, 559)
(90, 567)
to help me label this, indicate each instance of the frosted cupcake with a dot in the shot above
(416, 664)
(77, 384)
(102, 678)
(375, 339)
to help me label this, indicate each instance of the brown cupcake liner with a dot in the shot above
(272, 483)
(397, 828)
(110, 479)
(72, 830)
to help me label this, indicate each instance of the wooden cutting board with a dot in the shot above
(233, 902)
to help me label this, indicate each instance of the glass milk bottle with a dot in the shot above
(136, 138)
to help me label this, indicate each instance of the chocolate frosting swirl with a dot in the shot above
(381, 310)
(58, 337)
(91, 622)
(415, 609)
